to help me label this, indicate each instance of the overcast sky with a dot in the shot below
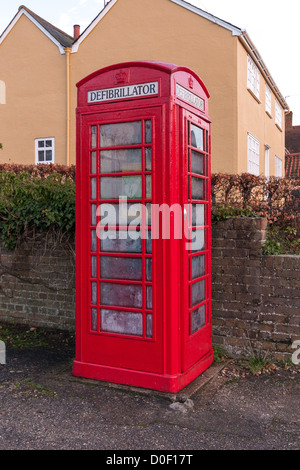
(273, 26)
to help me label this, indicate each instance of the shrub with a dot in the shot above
(35, 203)
(277, 199)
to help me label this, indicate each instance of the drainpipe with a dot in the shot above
(68, 52)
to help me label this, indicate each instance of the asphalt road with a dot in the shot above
(43, 407)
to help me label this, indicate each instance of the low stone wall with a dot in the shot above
(256, 298)
(37, 285)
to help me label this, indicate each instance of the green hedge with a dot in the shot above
(34, 203)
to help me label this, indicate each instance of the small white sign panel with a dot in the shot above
(125, 92)
(187, 95)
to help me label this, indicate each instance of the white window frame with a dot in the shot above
(253, 78)
(278, 167)
(278, 114)
(44, 148)
(268, 100)
(267, 161)
(253, 155)
(2, 92)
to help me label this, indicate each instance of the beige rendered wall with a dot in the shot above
(253, 119)
(34, 72)
(163, 31)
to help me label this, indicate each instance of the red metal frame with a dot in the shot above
(173, 356)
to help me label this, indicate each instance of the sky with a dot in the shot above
(272, 25)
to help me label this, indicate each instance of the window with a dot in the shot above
(2, 92)
(267, 161)
(268, 100)
(253, 155)
(278, 114)
(278, 167)
(44, 150)
(253, 82)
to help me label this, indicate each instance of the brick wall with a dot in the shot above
(256, 298)
(37, 285)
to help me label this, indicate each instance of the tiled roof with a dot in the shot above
(292, 166)
(63, 38)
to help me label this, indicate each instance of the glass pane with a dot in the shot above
(149, 326)
(93, 137)
(48, 155)
(121, 243)
(148, 154)
(127, 133)
(93, 188)
(149, 297)
(148, 132)
(121, 268)
(117, 161)
(94, 163)
(198, 266)
(94, 267)
(41, 144)
(126, 186)
(197, 189)
(198, 215)
(93, 241)
(198, 292)
(149, 244)
(197, 135)
(198, 318)
(148, 187)
(93, 214)
(121, 295)
(125, 323)
(149, 269)
(94, 320)
(149, 214)
(41, 156)
(197, 163)
(198, 240)
(48, 143)
(94, 293)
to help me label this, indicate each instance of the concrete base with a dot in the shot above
(180, 396)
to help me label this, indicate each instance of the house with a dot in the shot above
(292, 144)
(40, 66)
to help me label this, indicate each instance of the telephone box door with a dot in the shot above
(121, 286)
(196, 308)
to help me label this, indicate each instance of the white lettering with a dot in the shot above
(186, 95)
(132, 91)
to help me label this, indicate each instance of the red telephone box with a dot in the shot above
(143, 284)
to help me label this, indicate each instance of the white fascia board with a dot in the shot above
(234, 29)
(90, 28)
(37, 24)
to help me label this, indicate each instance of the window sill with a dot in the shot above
(278, 127)
(270, 115)
(254, 95)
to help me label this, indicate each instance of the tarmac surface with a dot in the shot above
(43, 407)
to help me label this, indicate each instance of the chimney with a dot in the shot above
(289, 120)
(76, 31)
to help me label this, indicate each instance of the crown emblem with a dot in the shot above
(191, 83)
(121, 76)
